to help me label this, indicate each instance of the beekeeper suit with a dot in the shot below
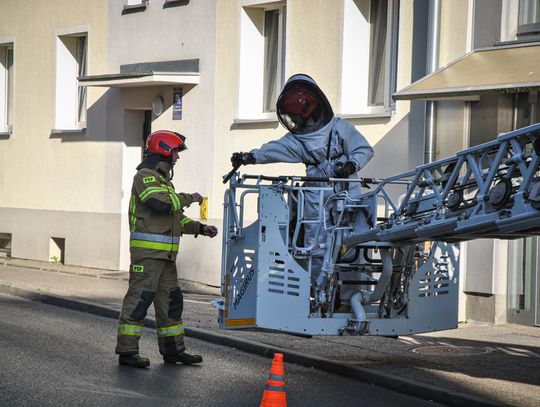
(327, 145)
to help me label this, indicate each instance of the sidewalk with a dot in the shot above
(477, 364)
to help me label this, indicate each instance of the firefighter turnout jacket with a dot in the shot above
(156, 234)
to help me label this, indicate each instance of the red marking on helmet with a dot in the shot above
(164, 142)
(299, 102)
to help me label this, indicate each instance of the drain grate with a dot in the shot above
(447, 350)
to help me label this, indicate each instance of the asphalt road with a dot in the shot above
(51, 356)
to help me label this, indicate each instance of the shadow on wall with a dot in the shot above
(398, 151)
(106, 116)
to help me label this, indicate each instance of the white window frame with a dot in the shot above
(67, 87)
(135, 3)
(251, 78)
(6, 103)
(355, 59)
(528, 28)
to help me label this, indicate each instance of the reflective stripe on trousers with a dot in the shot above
(132, 330)
(171, 330)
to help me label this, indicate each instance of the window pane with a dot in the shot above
(520, 289)
(529, 12)
(81, 67)
(271, 49)
(377, 54)
(9, 73)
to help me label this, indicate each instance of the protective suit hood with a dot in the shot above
(316, 139)
(302, 107)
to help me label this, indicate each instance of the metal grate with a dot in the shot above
(281, 280)
(435, 282)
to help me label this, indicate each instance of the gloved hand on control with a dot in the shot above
(241, 158)
(344, 170)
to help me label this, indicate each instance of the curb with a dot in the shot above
(186, 285)
(387, 380)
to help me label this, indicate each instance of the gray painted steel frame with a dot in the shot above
(491, 190)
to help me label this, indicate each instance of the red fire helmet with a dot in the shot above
(164, 142)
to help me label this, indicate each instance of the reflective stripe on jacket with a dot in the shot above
(157, 234)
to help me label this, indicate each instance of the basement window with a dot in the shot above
(5, 244)
(57, 248)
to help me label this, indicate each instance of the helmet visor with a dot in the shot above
(302, 108)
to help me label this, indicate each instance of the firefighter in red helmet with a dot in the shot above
(157, 222)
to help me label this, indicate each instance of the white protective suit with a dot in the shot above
(336, 142)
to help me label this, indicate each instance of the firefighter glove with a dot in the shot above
(208, 230)
(241, 158)
(344, 170)
(197, 197)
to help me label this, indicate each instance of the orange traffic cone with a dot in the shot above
(274, 393)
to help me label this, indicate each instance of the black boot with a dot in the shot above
(183, 357)
(133, 361)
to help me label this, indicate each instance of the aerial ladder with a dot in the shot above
(391, 257)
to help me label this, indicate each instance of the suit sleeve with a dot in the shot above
(189, 226)
(283, 150)
(185, 200)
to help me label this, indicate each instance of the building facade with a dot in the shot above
(105, 73)
(494, 47)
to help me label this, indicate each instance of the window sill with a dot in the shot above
(6, 132)
(133, 8)
(69, 131)
(270, 118)
(528, 29)
(365, 115)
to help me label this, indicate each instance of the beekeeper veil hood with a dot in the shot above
(302, 107)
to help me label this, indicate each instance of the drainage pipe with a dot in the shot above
(432, 63)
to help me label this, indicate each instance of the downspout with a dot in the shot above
(432, 63)
(533, 100)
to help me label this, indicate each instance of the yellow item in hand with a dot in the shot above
(204, 209)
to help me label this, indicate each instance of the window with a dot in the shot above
(136, 3)
(81, 71)
(71, 63)
(529, 17)
(135, 6)
(6, 87)
(273, 57)
(262, 59)
(370, 32)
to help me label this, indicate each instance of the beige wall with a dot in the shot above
(76, 175)
(314, 46)
(46, 172)
(314, 43)
(52, 185)
(85, 233)
(454, 35)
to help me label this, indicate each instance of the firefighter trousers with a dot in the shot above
(152, 281)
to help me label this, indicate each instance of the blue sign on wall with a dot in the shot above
(177, 103)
